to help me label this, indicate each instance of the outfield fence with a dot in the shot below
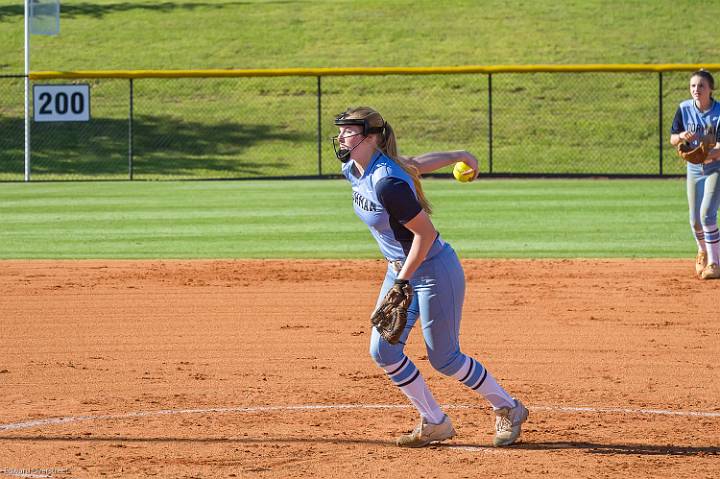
(541, 120)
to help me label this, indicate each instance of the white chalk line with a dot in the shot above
(26, 476)
(33, 473)
(54, 421)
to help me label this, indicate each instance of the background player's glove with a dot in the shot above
(699, 154)
(391, 316)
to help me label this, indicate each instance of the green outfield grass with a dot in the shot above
(314, 219)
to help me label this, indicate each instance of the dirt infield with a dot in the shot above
(198, 369)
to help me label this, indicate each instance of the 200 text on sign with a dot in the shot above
(61, 102)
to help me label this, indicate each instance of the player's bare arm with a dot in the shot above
(685, 136)
(425, 234)
(433, 161)
(714, 154)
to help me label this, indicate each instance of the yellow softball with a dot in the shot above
(463, 173)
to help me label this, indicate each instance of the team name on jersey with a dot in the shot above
(708, 129)
(364, 203)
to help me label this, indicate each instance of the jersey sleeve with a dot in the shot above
(678, 125)
(398, 199)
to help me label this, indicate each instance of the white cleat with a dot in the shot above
(711, 271)
(426, 433)
(508, 424)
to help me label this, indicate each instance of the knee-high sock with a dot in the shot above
(477, 378)
(699, 239)
(407, 377)
(712, 240)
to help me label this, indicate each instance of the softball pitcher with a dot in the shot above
(695, 118)
(388, 197)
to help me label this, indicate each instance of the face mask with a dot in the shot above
(343, 154)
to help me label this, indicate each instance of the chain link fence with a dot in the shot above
(553, 124)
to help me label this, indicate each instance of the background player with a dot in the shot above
(389, 198)
(694, 118)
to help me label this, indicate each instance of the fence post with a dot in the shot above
(660, 121)
(490, 126)
(130, 132)
(319, 124)
(28, 92)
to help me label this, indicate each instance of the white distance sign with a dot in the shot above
(61, 102)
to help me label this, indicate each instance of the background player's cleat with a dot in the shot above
(700, 262)
(425, 433)
(508, 423)
(711, 271)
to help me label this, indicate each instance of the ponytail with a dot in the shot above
(389, 147)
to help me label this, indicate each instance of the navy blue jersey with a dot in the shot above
(384, 198)
(689, 118)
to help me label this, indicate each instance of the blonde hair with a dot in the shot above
(387, 144)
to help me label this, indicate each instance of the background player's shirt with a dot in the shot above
(689, 118)
(384, 198)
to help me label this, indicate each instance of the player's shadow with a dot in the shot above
(629, 449)
(589, 447)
